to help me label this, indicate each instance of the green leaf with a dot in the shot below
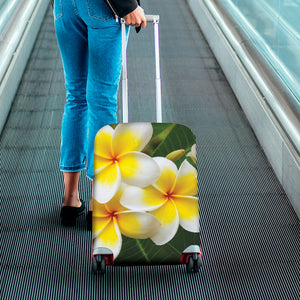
(145, 252)
(169, 137)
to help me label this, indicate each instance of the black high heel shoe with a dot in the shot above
(69, 214)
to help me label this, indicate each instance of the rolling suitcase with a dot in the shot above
(145, 196)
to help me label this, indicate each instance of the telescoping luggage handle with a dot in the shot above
(155, 20)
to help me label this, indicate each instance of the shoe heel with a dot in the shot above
(69, 214)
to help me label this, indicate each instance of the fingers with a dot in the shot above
(143, 19)
(143, 23)
(136, 18)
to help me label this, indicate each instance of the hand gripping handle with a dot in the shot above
(155, 20)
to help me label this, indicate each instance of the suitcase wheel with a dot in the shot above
(98, 264)
(194, 263)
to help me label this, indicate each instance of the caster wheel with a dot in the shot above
(190, 265)
(98, 264)
(94, 265)
(197, 264)
(194, 263)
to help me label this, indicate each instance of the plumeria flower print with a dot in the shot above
(117, 158)
(192, 153)
(171, 199)
(111, 220)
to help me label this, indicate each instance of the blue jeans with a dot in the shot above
(90, 43)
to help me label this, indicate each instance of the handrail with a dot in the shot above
(6, 12)
(13, 32)
(19, 23)
(277, 95)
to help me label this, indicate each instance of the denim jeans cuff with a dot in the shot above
(73, 168)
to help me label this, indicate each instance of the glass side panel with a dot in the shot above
(273, 27)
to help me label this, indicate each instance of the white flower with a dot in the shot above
(117, 158)
(171, 199)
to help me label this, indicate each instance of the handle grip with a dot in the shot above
(152, 18)
(155, 20)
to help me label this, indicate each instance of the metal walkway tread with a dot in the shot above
(249, 231)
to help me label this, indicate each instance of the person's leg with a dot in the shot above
(102, 87)
(105, 62)
(71, 35)
(71, 196)
(72, 205)
(104, 69)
